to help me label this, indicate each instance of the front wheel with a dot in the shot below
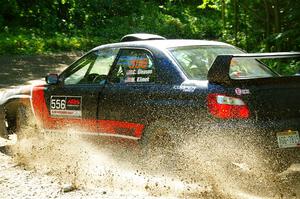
(21, 118)
(25, 125)
(3, 122)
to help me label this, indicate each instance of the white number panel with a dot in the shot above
(66, 106)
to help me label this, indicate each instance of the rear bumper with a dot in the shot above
(262, 135)
(269, 129)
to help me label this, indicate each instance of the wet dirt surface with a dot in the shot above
(51, 165)
(18, 70)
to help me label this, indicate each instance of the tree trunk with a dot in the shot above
(277, 16)
(267, 24)
(236, 28)
(277, 23)
(223, 14)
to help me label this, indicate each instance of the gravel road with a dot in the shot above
(69, 166)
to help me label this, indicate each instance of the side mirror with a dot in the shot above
(52, 79)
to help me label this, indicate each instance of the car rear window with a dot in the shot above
(195, 61)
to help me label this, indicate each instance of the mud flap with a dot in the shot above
(3, 129)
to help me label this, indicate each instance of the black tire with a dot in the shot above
(21, 118)
(157, 137)
(3, 127)
(161, 144)
(23, 124)
(3, 130)
(284, 159)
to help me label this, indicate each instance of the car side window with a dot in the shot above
(92, 68)
(134, 66)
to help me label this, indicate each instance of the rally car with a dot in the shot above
(122, 90)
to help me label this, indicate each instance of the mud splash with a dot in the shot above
(236, 164)
(75, 160)
(200, 167)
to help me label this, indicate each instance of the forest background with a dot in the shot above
(43, 26)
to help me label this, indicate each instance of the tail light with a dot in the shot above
(225, 107)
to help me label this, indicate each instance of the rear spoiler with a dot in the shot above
(219, 71)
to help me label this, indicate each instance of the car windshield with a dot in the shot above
(195, 61)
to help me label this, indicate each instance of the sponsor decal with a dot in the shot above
(130, 72)
(142, 79)
(129, 79)
(66, 106)
(185, 88)
(139, 72)
(139, 63)
(239, 91)
(144, 72)
(74, 101)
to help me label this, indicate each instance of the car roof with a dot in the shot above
(163, 44)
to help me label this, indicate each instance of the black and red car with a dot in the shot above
(123, 89)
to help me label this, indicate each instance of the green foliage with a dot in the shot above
(32, 44)
(284, 67)
(43, 26)
(214, 4)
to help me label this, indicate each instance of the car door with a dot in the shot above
(141, 91)
(127, 101)
(74, 101)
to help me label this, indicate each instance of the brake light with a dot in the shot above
(225, 107)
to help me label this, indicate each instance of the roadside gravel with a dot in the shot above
(17, 182)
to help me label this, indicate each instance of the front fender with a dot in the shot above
(19, 92)
(10, 100)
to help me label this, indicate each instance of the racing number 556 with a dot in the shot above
(58, 104)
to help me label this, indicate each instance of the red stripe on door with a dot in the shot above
(102, 126)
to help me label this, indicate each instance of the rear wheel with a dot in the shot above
(285, 158)
(157, 137)
(158, 145)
